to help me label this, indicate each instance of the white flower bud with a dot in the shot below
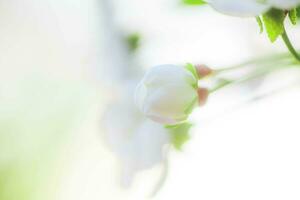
(167, 94)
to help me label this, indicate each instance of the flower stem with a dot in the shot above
(261, 60)
(162, 179)
(252, 76)
(221, 85)
(289, 45)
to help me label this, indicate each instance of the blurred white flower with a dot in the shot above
(167, 94)
(139, 143)
(241, 8)
(250, 8)
(145, 148)
(284, 4)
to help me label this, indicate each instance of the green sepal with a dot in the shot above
(194, 2)
(179, 134)
(190, 67)
(293, 16)
(273, 21)
(188, 110)
(260, 24)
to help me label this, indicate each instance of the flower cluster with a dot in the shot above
(138, 142)
(139, 134)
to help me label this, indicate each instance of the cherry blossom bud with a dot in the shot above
(168, 93)
(202, 96)
(203, 70)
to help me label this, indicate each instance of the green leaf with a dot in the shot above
(133, 41)
(180, 134)
(273, 21)
(260, 24)
(194, 2)
(293, 16)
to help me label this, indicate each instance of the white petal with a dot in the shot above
(284, 4)
(120, 119)
(151, 138)
(163, 74)
(140, 95)
(127, 174)
(146, 146)
(168, 103)
(241, 8)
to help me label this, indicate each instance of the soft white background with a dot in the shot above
(237, 151)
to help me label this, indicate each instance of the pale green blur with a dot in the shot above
(36, 117)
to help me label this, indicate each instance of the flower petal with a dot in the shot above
(284, 4)
(168, 103)
(241, 8)
(163, 74)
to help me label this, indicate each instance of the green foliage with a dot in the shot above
(179, 134)
(298, 12)
(273, 21)
(194, 2)
(260, 24)
(293, 16)
(36, 117)
(133, 41)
